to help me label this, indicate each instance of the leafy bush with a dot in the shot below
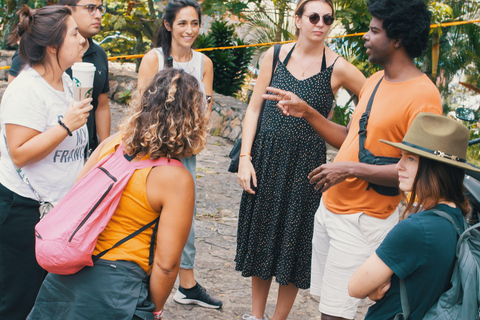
(229, 66)
(473, 152)
(342, 115)
(125, 96)
(9, 20)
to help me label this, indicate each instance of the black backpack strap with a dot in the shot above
(130, 236)
(365, 156)
(362, 131)
(152, 243)
(276, 54)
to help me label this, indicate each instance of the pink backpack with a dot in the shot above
(67, 235)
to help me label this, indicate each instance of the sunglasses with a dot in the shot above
(92, 9)
(315, 18)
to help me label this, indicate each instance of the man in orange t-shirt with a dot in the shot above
(353, 219)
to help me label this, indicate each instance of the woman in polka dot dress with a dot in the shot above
(278, 205)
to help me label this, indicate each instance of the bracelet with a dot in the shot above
(63, 125)
(245, 155)
(157, 314)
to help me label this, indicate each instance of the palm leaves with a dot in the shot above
(261, 27)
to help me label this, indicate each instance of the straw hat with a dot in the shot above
(438, 138)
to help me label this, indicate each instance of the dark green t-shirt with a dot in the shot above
(420, 250)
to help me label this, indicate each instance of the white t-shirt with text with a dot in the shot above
(31, 102)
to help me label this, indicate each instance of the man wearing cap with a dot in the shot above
(88, 16)
(360, 199)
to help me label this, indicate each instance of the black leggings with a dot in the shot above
(20, 275)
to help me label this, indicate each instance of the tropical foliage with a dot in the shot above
(230, 66)
(8, 19)
(135, 20)
(457, 47)
(267, 25)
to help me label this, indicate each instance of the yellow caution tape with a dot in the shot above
(358, 34)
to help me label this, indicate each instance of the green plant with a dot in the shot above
(8, 18)
(473, 152)
(229, 66)
(263, 27)
(342, 115)
(125, 96)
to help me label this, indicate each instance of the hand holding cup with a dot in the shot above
(77, 114)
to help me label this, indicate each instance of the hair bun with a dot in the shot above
(26, 19)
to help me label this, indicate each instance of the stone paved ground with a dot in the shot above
(216, 228)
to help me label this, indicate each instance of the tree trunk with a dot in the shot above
(282, 8)
(435, 54)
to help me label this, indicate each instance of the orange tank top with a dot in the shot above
(133, 212)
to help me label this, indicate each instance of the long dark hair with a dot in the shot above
(39, 29)
(164, 37)
(436, 181)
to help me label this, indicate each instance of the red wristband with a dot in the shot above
(157, 314)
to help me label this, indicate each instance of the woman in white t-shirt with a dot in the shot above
(173, 49)
(43, 138)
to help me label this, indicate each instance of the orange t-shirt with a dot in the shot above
(133, 212)
(393, 110)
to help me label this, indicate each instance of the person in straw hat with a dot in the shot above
(420, 249)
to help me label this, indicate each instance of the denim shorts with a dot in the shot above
(114, 290)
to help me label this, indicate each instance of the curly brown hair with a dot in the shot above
(167, 118)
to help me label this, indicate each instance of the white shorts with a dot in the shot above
(341, 243)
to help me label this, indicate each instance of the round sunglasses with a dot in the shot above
(315, 18)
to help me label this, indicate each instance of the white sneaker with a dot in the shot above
(249, 317)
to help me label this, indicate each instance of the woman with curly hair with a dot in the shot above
(165, 121)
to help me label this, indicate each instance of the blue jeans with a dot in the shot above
(188, 254)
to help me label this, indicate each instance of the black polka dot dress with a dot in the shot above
(275, 226)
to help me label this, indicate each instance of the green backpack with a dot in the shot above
(462, 300)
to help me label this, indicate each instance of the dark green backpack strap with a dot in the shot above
(449, 218)
(404, 301)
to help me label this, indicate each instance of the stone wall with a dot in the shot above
(227, 116)
(227, 112)
(5, 60)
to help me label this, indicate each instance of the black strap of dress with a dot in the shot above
(324, 60)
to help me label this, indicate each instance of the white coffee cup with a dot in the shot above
(83, 74)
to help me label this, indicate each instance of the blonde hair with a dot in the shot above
(301, 7)
(166, 119)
